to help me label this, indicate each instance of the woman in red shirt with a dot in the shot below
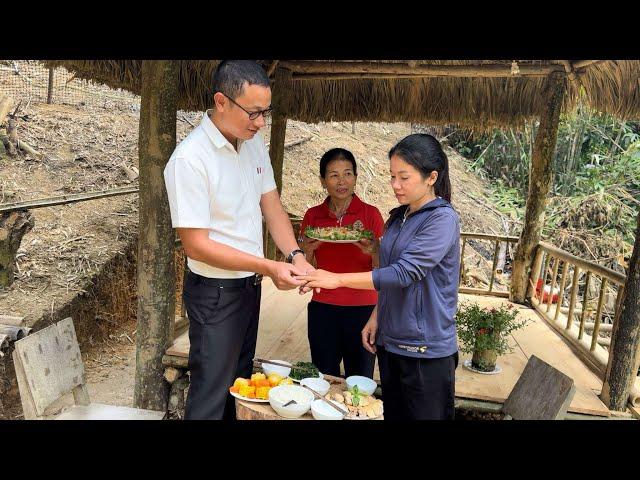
(336, 317)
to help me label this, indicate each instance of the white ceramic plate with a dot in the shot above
(334, 241)
(320, 375)
(467, 364)
(245, 399)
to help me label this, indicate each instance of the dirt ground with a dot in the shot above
(84, 148)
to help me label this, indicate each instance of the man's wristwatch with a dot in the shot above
(293, 254)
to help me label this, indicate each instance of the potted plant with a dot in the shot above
(485, 332)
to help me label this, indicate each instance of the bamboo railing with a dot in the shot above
(555, 268)
(498, 240)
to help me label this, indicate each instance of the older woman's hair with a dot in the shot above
(336, 154)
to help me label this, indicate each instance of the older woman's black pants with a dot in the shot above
(335, 336)
(417, 388)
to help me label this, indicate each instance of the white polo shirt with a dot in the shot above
(212, 186)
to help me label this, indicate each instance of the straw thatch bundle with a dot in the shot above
(480, 101)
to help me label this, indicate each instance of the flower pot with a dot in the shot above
(484, 360)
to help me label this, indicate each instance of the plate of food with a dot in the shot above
(301, 370)
(338, 234)
(256, 389)
(360, 405)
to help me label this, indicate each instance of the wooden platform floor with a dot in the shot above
(283, 335)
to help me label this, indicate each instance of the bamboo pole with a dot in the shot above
(563, 283)
(156, 240)
(478, 291)
(584, 63)
(574, 293)
(540, 180)
(464, 243)
(352, 70)
(66, 199)
(585, 299)
(597, 319)
(604, 327)
(489, 236)
(496, 251)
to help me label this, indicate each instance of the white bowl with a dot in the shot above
(281, 394)
(365, 384)
(321, 411)
(269, 368)
(318, 384)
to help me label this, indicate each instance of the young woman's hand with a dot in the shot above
(320, 279)
(369, 334)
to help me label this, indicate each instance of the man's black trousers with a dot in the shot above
(223, 328)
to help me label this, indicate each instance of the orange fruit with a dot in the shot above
(240, 381)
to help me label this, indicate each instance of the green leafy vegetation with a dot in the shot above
(596, 187)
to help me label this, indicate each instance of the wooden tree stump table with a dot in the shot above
(263, 411)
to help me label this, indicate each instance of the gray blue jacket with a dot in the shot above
(418, 281)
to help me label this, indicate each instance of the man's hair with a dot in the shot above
(231, 75)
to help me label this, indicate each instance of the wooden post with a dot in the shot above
(573, 295)
(585, 299)
(50, 89)
(496, 251)
(540, 180)
(461, 279)
(598, 319)
(563, 283)
(624, 353)
(554, 275)
(280, 104)
(156, 264)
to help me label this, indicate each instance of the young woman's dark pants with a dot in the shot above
(417, 388)
(335, 335)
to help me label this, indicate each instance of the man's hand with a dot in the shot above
(369, 335)
(301, 263)
(283, 275)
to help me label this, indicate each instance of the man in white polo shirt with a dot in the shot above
(220, 183)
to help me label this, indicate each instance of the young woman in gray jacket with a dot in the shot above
(412, 329)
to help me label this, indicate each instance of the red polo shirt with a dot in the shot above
(344, 257)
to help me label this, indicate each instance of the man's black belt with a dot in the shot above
(251, 281)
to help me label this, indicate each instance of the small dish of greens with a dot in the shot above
(301, 370)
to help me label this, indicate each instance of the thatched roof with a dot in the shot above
(482, 93)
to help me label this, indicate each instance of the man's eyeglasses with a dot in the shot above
(252, 115)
